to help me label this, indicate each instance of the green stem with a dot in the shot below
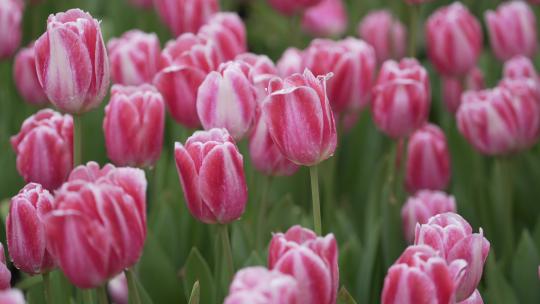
(102, 295)
(414, 14)
(77, 140)
(151, 177)
(316, 200)
(227, 253)
(87, 296)
(295, 31)
(47, 287)
(134, 296)
(261, 221)
(504, 207)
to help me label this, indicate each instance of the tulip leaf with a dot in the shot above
(195, 293)
(253, 260)
(525, 270)
(141, 294)
(344, 297)
(498, 290)
(197, 269)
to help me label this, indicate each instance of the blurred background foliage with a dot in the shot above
(359, 205)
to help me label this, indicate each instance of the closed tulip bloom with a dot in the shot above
(5, 274)
(71, 62)
(299, 118)
(258, 285)
(311, 259)
(134, 57)
(454, 40)
(98, 225)
(454, 87)
(211, 172)
(352, 63)
(385, 33)
(421, 207)
(475, 298)
(228, 32)
(185, 16)
(118, 289)
(428, 160)
(420, 275)
(327, 19)
(290, 8)
(291, 62)
(26, 231)
(402, 97)
(512, 30)
(452, 236)
(12, 296)
(11, 12)
(25, 76)
(519, 67)
(134, 123)
(44, 148)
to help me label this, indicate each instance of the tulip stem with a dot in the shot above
(504, 206)
(77, 140)
(134, 296)
(47, 287)
(227, 253)
(414, 14)
(314, 174)
(102, 295)
(261, 223)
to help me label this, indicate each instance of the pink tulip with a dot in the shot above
(11, 12)
(451, 235)
(25, 229)
(421, 276)
(211, 172)
(44, 148)
(428, 160)
(312, 260)
(134, 57)
(386, 34)
(453, 88)
(519, 67)
(327, 19)
(475, 298)
(71, 62)
(185, 16)
(11, 296)
(512, 30)
(5, 274)
(147, 4)
(26, 81)
(255, 285)
(98, 225)
(352, 62)
(185, 62)
(291, 62)
(299, 118)
(118, 289)
(228, 32)
(454, 40)
(421, 207)
(133, 125)
(401, 98)
(289, 8)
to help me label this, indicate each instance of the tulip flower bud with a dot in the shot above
(26, 81)
(401, 97)
(290, 62)
(453, 88)
(352, 63)
(5, 274)
(421, 276)
(118, 289)
(475, 298)
(228, 32)
(451, 235)
(519, 67)
(11, 296)
(454, 40)
(25, 229)
(512, 30)
(260, 285)
(185, 16)
(11, 12)
(71, 62)
(99, 215)
(299, 118)
(428, 160)
(134, 57)
(312, 260)
(290, 8)
(420, 208)
(44, 148)
(327, 19)
(133, 125)
(211, 172)
(386, 34)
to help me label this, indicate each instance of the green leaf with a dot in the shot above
(195, 294)
(344, 297)
(498, 290)
(197, 269)
(525, 270)
(135, 285)
(253, 260)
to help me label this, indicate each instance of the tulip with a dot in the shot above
(310, 259)
(290, 62)
(228, 32)
(44, 148)
(11, 296)
(451, 235)
(11, 12)
(289, 8)
(71, 62)
(98, 225)
(25, 229)
(352, 62)
(185, 62)
(401, 97)
(454, 40)
(386, 34)
(428, 160)
(299, 118)
(185, 16)
(226, 99)
(260, 285)
(519, 67)
(512, 30)
(146, 4)
(421, 207)
(260, 70)
(134, 57)
(5, 274)
(421, 276)
(327, 19)
(453, 88)
(118, 289)
(25, 76)
(475, 298)
(211, 172)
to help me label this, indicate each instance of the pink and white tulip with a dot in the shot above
(12, 296)
(520, 67)
(327, 19)
(5, 274)
(453, 88)
(385, 33)
(291, 62)
(185, 16)
(11, 13)
(118, 289)
(25, 76)
(228, 32)
(475, 298)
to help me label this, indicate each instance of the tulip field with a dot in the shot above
(269, 151)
